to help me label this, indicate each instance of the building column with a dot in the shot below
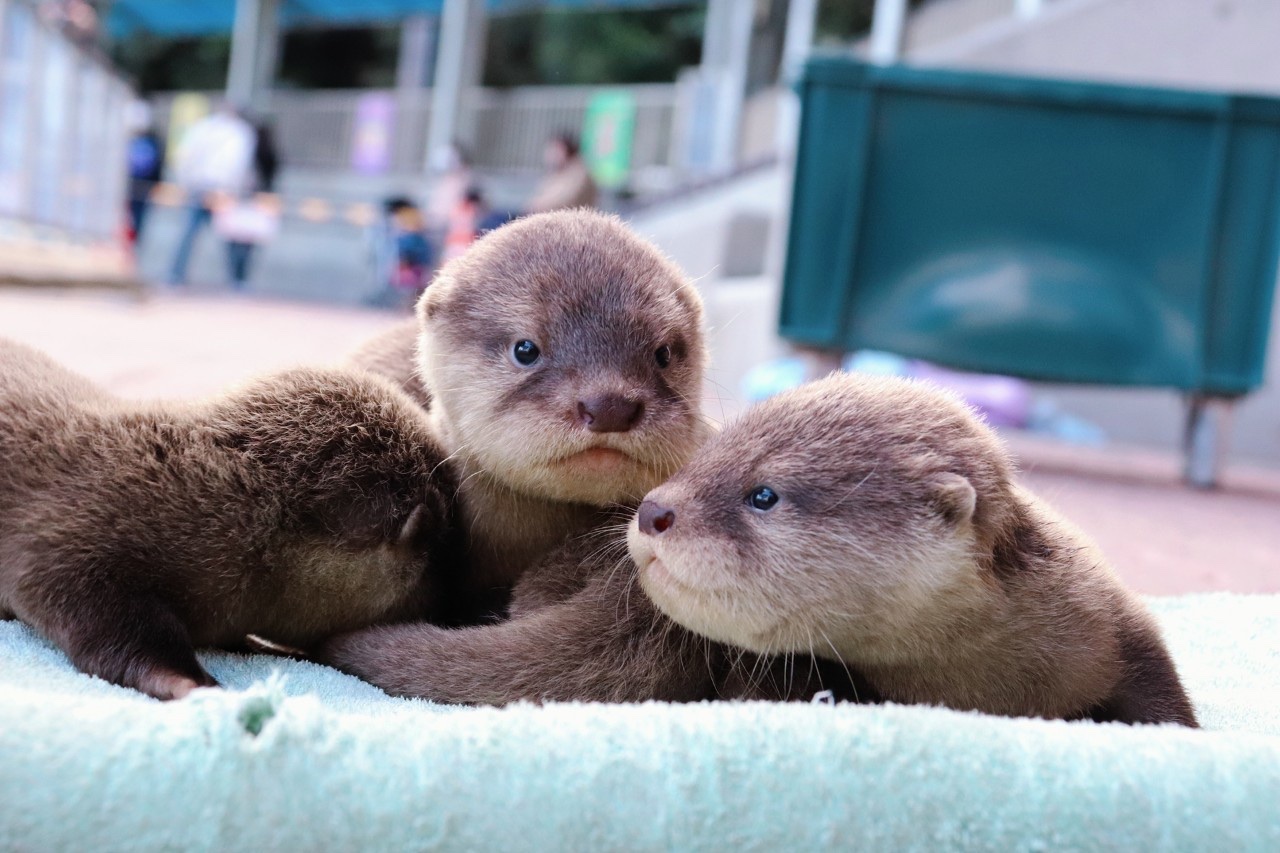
(459, 66)
(802, 16)
(255, 39)
(413, 64)
(413, 68)
(726, 48)
(886, 31)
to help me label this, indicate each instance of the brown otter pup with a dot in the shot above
(877, 521)
(561, 362)
(581, 630)
(306, 503)
(871, 522)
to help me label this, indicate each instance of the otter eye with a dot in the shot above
(762, 498)
(525, 352)
(663, 356)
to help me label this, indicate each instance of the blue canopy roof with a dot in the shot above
(185, 18)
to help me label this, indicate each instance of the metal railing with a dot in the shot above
(510, 127)
(63, 132)
(505, 129)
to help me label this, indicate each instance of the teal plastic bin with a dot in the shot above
(1055, 230)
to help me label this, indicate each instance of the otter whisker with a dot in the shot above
(853, 685)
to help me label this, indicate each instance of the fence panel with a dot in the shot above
(63, 128)
(508, 127)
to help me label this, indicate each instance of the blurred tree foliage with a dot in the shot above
(843, 21)
(157, 64)
(340, 59)
(565, 46)
(546, 46)
(362, 57)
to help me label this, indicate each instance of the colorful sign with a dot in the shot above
(372, 135)
(608, 132)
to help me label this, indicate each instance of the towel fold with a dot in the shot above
(295, 756)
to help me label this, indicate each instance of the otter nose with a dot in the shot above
(609, 413)
(655, 518)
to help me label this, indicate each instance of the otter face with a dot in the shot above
(826, 520)
(565, 358)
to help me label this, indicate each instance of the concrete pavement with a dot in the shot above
(1161, 536)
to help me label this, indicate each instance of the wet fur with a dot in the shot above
(598, 301)
(303, 504)
(902, 545)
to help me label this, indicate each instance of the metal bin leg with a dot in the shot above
(1204, 439)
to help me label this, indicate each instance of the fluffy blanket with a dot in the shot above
(294, 756)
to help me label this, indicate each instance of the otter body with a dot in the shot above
(580, 630)
(859, 535)
(560, 359)
(306, 503)
(877, 521)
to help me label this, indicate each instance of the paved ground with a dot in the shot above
(1161, 536)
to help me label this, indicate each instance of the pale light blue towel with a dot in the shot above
(298, 757)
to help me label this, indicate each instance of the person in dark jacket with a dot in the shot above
(146, 164)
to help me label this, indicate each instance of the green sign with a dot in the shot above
(607, 133)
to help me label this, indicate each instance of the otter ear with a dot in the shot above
(955, 497)
(434, 297)
(413, 527)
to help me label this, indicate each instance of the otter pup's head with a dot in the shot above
(828, 519)
(564, 355)
(354, 504)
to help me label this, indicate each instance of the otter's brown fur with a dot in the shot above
(580, 631)
(616, 324)
(306, 503)
(900, 550)
(895, 538)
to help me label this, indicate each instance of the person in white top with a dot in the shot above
(214, 157)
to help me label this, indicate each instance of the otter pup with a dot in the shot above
(580, 630)
(873, 523)
(306, 503)
(561, 361)
(877, 521)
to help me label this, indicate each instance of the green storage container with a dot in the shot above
(1053, 230)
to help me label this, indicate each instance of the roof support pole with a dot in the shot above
(459, 66)
(414, 62)
(886, 31)
(802, 16)
(255, 37)
(268, 55)
(726, 49)
(413, 69)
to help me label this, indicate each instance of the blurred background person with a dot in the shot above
(413, 252)
(455, 179)
(214, 158)
(403, 256)
(252, 219)
(469, 218)
(146, 164)
(568, 181)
